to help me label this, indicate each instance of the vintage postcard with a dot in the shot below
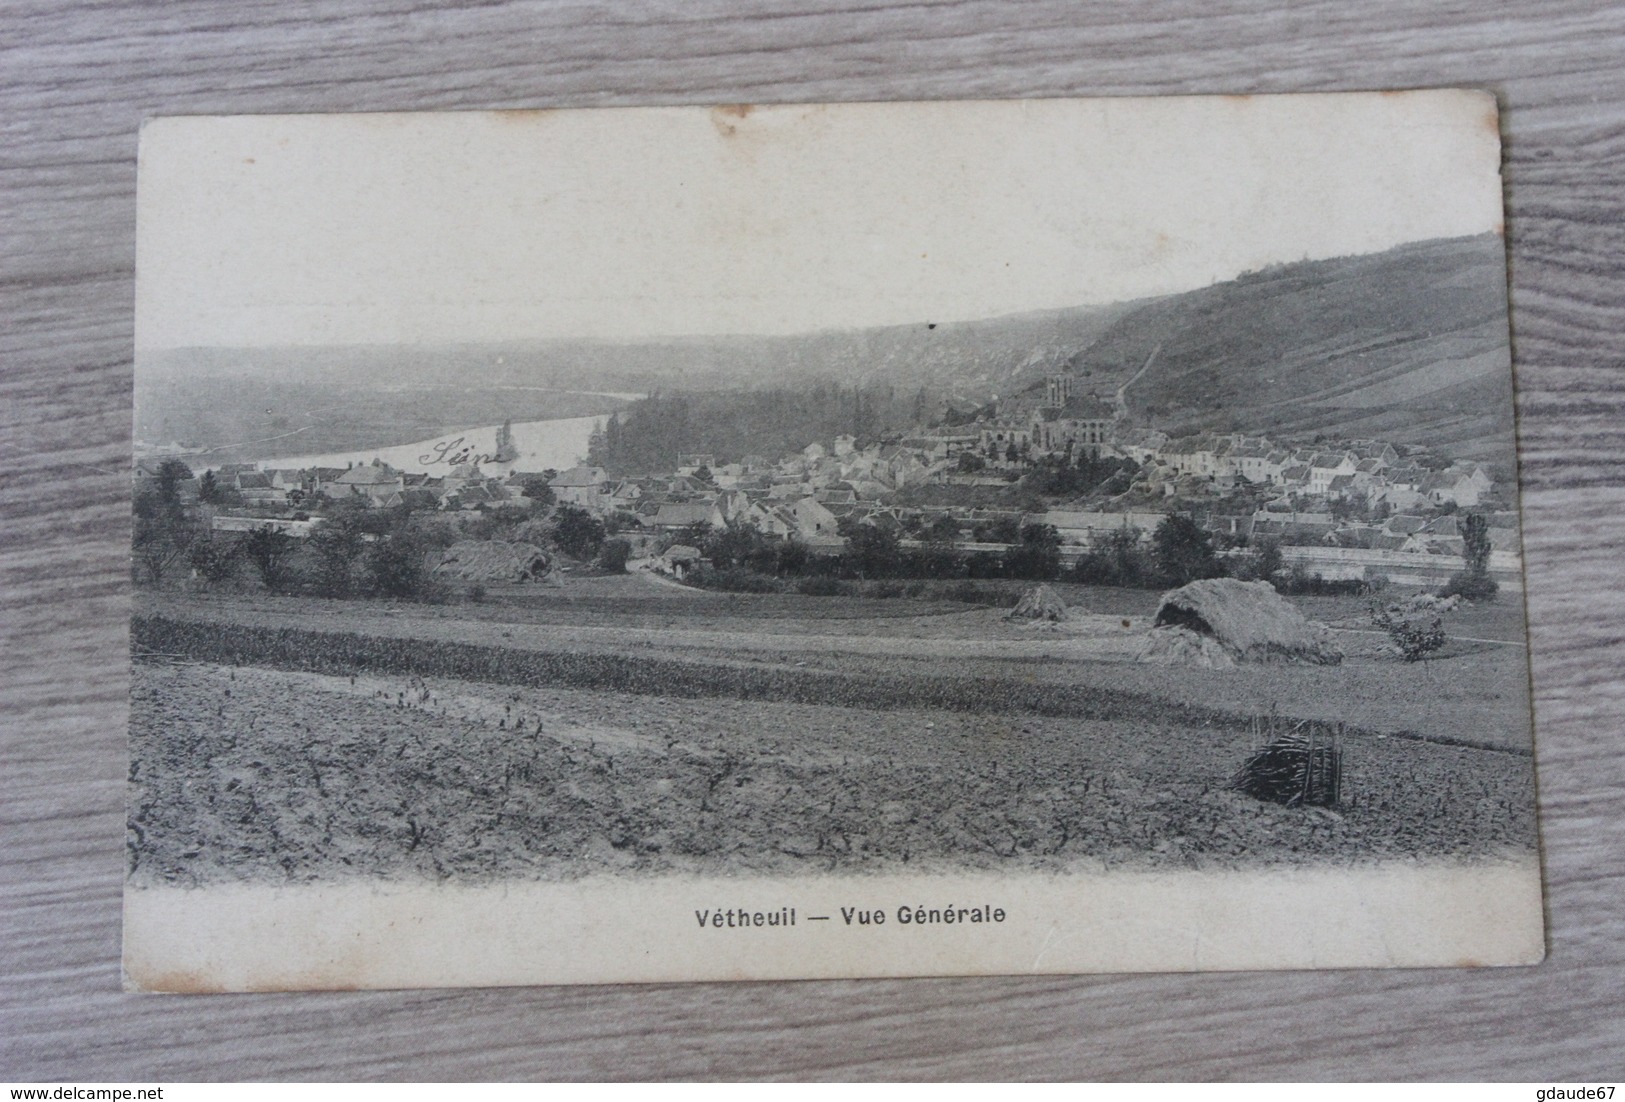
(820, 541)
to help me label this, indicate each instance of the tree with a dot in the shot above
(269, 550)
(1037, 556)
(577, 532)
(613, 555)
(1263, 562)
(1475, 538)
(1345, 509)
(171, 473)
(395, 566)
(1474, 582)
(793, 556)
(535, 488)
(735, 545)
(336, 547)
(970, 463)
(1117, 560)
(1183, 550)
(697, 534)
(215, 560)
(163, 532)
(871, 552)
(942, 529)
(1127, 558)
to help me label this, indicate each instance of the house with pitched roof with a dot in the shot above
(1326, 466)
(256, 489)
(580, 486)
(674, 515)
(377, 482)
(812, 520)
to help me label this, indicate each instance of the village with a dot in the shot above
(972, 625)
(1339, 509)
(863, 655)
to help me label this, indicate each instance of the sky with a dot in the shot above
(642, 223)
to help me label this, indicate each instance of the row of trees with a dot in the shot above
(341, 559)
(355, 552)
(1180, 551)
(650, 434)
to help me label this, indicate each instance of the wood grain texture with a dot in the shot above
(77, 78)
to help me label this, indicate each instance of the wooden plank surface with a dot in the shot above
(76, 78)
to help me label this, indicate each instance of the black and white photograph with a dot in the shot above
(804, 541)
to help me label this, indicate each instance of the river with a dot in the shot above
(558, 444)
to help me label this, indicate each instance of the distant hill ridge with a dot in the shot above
(1408, 345)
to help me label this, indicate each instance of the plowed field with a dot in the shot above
(723, 751)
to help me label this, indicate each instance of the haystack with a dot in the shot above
(1171, 646)
(1039, 603)
(493, 561)
(1245, 621)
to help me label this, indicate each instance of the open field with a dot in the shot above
(267, 774)
(1474, 691)
(560, 734)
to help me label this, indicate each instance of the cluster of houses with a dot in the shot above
(1352, 494)
(1370, 473)
(376, 483)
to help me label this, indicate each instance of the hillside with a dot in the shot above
(1408, 345)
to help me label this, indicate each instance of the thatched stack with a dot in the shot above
(1171, 646)
(492, 561)
(1039, 603)
(1247, 621)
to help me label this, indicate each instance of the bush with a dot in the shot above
(1183, 551)
(870, 552)
(792, 556)
(335, 548)
(1119, 560)
(612, 556)
(1416, 639)
(577, 532)
(819, 587)
(1037, 556)
(1474, 587)
(214, 560)
(1300, 583)
(476, 593)
(971, 594)
(395, 567)
(1262, 563)
(985, 564)
(735, 579)
(269, 550)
